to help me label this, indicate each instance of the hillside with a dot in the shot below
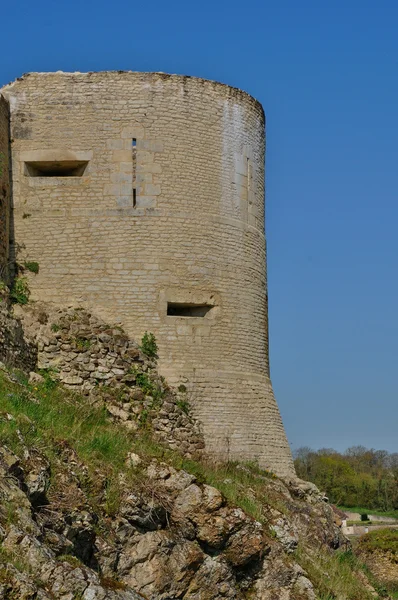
(106, 492)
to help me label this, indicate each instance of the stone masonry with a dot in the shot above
(4, 188)
(141, 196)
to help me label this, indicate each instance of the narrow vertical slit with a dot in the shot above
(134, 160)
(249, 174)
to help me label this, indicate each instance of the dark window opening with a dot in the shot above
(134, 142)
(64, 168)
(181, 309)
(134, 197)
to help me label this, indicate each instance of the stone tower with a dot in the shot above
(141, 195)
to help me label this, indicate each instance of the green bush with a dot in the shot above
(364, 517)
(149, 387)
(32, 266)
(20, 291)
(149, 345)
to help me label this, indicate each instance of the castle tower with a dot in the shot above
(141, 195)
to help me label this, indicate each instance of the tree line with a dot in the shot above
(359, 477)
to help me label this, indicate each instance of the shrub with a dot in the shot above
(149, 345)
(364, 517)
(183, 405)
(149, 387)
(32, 266)
(20, 292)
(82, 344)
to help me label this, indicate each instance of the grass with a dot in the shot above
(385, 540)
(332, 574)
(370, 511)
(47, 415)
(53, 414)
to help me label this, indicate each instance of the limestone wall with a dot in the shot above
(4, 188)
(169, 209)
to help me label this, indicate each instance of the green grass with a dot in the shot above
(44, 413)
(370, 511)
(332, 574)
(47, 417)
(381, 539)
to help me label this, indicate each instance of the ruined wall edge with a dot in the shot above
(4, 188)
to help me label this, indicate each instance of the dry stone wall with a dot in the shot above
(161, 213)
(100, 360)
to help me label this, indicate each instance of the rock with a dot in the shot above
(35, 378)
(212, 498)
(188, 501)
(179, 480)
(212, 581)
(72, 380)
(149, 515)
(117, 412)
(246, 545)
(286, 534)
(133, 460)
(37, 482)
(157, 567)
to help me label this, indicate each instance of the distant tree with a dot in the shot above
(358, 477)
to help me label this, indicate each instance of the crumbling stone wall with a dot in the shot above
(164, 204)
(100, 360)
(4, 188)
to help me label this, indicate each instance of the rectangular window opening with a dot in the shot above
(134, 143)
(181, 309)
(65, 168)
(134, 197)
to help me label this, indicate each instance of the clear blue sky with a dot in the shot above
(327, 76)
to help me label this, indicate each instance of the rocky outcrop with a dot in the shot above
(172, 536)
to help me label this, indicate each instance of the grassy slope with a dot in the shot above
(45, 416)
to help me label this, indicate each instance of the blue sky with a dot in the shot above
(327, 76)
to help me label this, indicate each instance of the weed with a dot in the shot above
(82, 344)
(112, 584)
(55, 327)
(149, 387)
(183, 405)
(69, 558)
(32, 266)
(149, 345)
(20, 291)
